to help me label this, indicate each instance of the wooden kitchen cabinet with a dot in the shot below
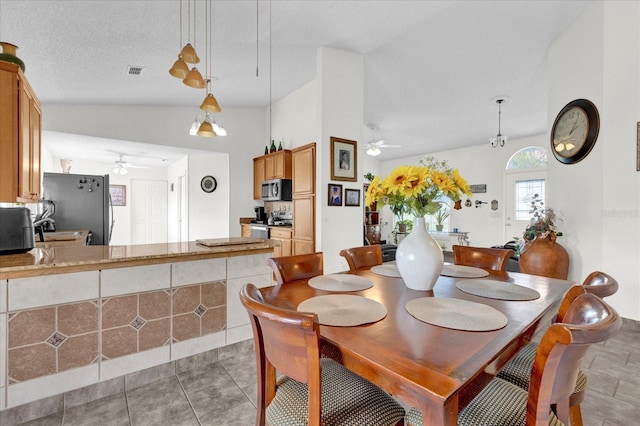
(284, 236)
(304, 200)
(20, 129)
(245, 230)
(276, 165)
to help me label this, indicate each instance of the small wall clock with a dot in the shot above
(208, 184)
(575, 130)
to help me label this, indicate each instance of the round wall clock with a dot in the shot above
(208, 184)
(575, 130)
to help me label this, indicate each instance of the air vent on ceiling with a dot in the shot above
(134, 70)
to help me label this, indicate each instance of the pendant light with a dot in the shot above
(180, 69)
(194, 78)
(206, 129)
(210, 103)
(499, 140)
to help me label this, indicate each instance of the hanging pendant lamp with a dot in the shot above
(210, 103)
(499, 140)
(189, 54)
(206, 129)
(194, 79)
(179, 69)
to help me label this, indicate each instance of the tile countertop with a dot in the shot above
(64, 259)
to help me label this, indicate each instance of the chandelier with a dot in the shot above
(499, 140)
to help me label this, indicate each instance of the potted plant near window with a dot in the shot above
(541, 254)
(440, 216)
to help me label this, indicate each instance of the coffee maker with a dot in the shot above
(261, 216)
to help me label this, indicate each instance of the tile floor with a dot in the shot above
(224, 392)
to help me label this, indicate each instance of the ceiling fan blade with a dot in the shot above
(390, 146)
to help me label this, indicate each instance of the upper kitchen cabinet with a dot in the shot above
(276, 165)
(20, 124)
(304, 170)
(304, 212)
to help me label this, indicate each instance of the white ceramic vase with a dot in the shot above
(419, 258)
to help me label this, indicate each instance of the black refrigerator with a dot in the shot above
(81, 202)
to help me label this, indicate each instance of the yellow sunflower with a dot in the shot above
(461, 183)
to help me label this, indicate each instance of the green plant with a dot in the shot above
(543, 220)
(369, 176)
(407, 222)
(441, 215)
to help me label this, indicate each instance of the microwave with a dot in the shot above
(277, 190)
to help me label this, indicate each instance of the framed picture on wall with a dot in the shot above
(351, 197)
(344, 160)
(335, 195)
(118, 195)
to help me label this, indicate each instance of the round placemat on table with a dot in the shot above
(340, 282)
(456, 314)
(462, 271)
(386, 270)
(497, 290)
(344, 309)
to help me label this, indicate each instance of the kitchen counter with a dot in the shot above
(76, 316)
(63, 259)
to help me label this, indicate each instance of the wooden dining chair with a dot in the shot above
(518, 369)
(494, 259)
(588, 320)
(296, 267)
(311, 390)
(362, 257)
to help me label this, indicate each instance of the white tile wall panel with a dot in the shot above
(135, 279)
(198, 271)
(236, 313)
(33, 292)
(198, 345)
(135, 362)
(3, 350)
(245, 266)
(3, 295)
(239, 334)
(45, 386)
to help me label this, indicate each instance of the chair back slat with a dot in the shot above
(601, 284)
(296, 267)
(588, 320)
(482, 257)
(362, 257)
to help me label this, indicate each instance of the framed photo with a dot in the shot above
(118, 195)
(335, 195)
(351, 197)
(344, 160)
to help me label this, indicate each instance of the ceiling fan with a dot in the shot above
(374, 145)
(121, 166)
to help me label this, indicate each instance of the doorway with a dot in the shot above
(148, 211)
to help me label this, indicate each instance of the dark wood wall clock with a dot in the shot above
(575, 130)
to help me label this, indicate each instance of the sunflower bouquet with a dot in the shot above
(419, 189)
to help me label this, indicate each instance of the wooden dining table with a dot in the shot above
(434, 368)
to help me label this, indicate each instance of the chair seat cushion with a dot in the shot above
(500, 403)
(347, 399)
(518, 369)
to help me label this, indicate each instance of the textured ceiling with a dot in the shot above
(432, 68)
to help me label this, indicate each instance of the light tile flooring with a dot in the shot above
(224, 392)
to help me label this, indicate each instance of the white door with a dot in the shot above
(183, 222)
(148, 211)
(519, 188)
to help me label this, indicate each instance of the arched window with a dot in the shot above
(528, 158)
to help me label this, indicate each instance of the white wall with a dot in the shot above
(598, 58)
(169, 126)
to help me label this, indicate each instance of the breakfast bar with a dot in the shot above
(73, 316)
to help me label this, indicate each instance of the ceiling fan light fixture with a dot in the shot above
(180, 69)
(220, 131)
(194, 79)
(193, 131)
(374, 151)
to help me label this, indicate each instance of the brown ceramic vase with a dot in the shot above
(545, 257)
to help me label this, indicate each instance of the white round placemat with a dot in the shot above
(386, 270)
(456, 314)
(497, 290)
(462, 271)
(340, 282)
(344, 309)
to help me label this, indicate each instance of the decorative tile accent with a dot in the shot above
(78, 351)
(78, 318)
(31, 361)
(186, 326)
(186, 299)
(119, 341)
(214, 320)
(154, 334)
(214, 294)
(119, 311)
(200, 310)
(137, 323)
(154, 305)
(29, 327)
(56, 339)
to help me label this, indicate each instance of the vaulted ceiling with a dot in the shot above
(433, 69)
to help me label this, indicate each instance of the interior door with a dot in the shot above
(519, 188)
(148, 211)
